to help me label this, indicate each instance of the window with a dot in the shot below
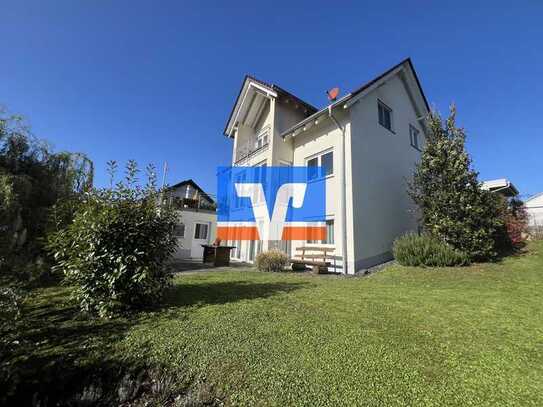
(326, 161)
(200, 231)
(238, 249)
(414, 137)
(385, 115)
(312, 171)
(179, 230)
(329, 234)
(260, 177)
(262, 139)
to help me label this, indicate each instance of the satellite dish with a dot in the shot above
(332, 94)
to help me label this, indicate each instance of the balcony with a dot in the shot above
(253, 146)
(188, 203)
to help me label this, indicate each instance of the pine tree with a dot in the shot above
(453, 206)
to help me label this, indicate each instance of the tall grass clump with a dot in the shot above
(427, 251)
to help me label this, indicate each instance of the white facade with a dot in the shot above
(367, 205)
(197, 219)
(195, 227)
(534, 207)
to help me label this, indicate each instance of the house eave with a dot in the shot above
(314, 118)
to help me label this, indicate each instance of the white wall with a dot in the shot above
(382, 161)
(534, 207)
(286, 116)
(322, 138)
(280, 116)
(189, 218)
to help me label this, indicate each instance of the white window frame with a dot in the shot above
(196, 229)
(318, 156)
(263, 138)
(320, 242)
(416, 132)
(184, 230)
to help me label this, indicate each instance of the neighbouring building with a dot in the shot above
(368, 141)
(500, 186)
(534, 207)
(197, 218)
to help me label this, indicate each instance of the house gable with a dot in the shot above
(188, 189)
(251, 100)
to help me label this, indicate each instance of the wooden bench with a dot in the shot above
(317, 257)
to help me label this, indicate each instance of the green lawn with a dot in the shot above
(403, 336)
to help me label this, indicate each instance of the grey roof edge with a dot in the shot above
(360, 90)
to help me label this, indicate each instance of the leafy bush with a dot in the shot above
(11, 299)
(10, 303)
(116, 250)
(271, 261)
(516, 222)
(424, 250)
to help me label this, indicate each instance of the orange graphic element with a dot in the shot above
(304, 233)
(237, 233)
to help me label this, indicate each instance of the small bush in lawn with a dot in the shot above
(114, 253)
(271, 261)
(425, 250)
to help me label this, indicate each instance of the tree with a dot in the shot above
(35, 184)
(453, 206)
(114, 254)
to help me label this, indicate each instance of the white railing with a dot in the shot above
(253, 146)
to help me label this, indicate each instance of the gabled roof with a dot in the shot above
(350, 98)
(384, 74)
(272, 87)
(195, 186)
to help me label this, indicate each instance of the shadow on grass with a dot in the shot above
(57, 352)
(63, 358)
(183, 295)
(515, 252)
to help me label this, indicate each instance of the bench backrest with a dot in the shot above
(314, 252)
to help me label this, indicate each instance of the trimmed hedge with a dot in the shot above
(427, 251)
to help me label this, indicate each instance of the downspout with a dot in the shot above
(343, 193)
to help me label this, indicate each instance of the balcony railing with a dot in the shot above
(247, 153)
(253, 146)
(188, 203)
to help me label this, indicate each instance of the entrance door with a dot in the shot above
(200, 237)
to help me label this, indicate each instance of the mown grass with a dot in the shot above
(403, 336)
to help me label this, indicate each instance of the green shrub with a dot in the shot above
(115, 252)
(425, 250)
(452, 204)
(272, 261)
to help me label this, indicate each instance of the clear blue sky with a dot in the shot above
(155, 80)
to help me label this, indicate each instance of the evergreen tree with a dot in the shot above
(453, 206)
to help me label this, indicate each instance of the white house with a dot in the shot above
(368, 140)
(197, 218)
(534, 207)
